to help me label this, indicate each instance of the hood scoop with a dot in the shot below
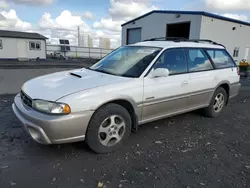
(76, 75)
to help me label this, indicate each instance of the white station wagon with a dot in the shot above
(133, 85)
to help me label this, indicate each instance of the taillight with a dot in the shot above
(238, 70)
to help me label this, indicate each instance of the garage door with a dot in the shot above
(133, 35)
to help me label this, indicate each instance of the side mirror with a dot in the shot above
(159, 72)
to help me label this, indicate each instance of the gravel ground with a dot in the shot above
(183, 151)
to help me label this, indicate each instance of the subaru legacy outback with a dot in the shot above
(133, 85)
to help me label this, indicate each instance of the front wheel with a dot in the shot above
(109, 127)
(217, 103)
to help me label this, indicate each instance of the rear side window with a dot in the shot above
(198, 60)
(221, 58)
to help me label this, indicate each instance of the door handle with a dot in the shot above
(184, 83)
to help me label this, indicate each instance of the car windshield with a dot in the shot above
(128, 61)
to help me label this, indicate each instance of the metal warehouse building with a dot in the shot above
(234, 34)
(22, 45)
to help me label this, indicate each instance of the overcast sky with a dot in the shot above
(99, 18)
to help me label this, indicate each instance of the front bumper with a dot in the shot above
(52, 129)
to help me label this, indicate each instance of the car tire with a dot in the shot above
(217, 103)
(246, 74)
(109, 128)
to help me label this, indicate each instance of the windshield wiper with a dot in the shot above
(128, 76)
(103, 71)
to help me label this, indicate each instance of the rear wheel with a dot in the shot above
(217, 103)
(109, 127)
(246, 74)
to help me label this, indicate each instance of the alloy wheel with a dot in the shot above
(219, 102)
(112, 130)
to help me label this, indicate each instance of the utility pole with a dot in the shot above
(78, 35)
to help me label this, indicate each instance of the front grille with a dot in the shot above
(26, 99)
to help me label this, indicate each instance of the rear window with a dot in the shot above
(221, 58)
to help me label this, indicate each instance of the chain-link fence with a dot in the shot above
(78, 51)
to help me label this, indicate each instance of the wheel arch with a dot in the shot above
(129, 105)
(225, 85)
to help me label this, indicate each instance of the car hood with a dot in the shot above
(51, 87)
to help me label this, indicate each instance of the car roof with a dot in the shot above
(173, 44)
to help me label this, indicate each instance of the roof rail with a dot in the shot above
(181, 39)
(166, 39)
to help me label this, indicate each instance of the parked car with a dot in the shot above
(133, 85)
(57, 55)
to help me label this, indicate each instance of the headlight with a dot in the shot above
(51, 107)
